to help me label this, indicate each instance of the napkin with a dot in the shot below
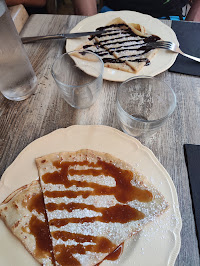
(188, 35)
(192, 157)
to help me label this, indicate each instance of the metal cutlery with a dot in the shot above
(172, 47)
(60, 36)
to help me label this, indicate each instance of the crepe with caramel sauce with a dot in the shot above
(94, 202)
(24, 214)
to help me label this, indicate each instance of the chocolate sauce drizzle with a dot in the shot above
(103, 50)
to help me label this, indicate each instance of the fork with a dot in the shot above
(172, 47)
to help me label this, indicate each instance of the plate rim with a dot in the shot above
(177, 229)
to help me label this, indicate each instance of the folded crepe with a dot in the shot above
(94, 202)
(23, 213)
(122, 46)
(85, 205)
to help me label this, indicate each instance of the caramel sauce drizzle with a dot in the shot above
(124, 192)
(118, 214)
(116, 253)
(40, 229)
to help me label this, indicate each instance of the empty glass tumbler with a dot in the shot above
(18, 80)
(143, 105)
(79, 81)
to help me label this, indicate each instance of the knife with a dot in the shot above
(60, 36)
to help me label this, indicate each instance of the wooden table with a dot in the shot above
(23, 122)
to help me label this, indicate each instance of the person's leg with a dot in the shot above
(194, 12)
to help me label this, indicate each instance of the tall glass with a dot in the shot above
(17, 78)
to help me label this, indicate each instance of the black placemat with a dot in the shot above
(192, 157)
(188, 35)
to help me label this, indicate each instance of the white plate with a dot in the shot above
(157, 244)
(160, 62)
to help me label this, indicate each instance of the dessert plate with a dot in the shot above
(160, 62)
(157, 244)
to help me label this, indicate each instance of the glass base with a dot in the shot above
(20, 98)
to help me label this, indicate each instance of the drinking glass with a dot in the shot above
(143, 105)
(78, 80)
(18, 80)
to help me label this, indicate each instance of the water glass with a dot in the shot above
(143, 105)
(79, 80)
(18, 80)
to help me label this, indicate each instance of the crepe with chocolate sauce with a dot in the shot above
(122, 46)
